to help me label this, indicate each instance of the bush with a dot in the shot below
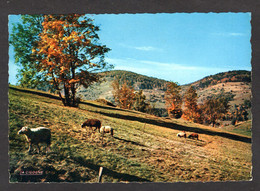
(177, 113)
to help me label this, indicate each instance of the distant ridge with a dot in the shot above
(236, 84)
(136, 80)
(230, 76)
(133, 77)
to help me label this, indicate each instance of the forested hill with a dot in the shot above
(230, 76)
(236, 83)
(138, 81)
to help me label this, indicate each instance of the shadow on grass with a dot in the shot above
(108, 172)
(35, 93)
(128, 141)
(177, 127)
(106, 107)
(48, 173)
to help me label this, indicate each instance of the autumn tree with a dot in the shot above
(24, 37)
(192, 111)
(123, 94)
(241, 111)
(214, 109)
(173, 100)
(69, 54)
(240, 114)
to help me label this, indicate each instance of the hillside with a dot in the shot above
(235, 84)
(153, 88)
(223, 77)
(144, 148)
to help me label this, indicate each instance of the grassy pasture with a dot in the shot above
(144, 148)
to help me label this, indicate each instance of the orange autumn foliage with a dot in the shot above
(124, 94)
(191, 111)
(68, 52)
(173, 100)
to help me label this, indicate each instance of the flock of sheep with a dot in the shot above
(43, 135)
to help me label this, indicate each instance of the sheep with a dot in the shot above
(92, 123)
(193, 136)
(106, 129)
(37, 135)
(181, 134)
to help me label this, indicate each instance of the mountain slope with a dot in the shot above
(144, 148)
(235, 84)
(153, 88)
(230, 76)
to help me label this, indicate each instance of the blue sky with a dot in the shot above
(179, 47)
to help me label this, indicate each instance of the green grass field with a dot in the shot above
(243, 128)
(144, 148)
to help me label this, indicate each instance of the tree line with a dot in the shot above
(231, 76)
(214, 108)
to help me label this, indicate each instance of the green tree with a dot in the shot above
(247, 104)
(24, 37)
(240, 114)
(139, 102)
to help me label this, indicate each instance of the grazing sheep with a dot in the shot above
(37, 135)
(92, 123)
(107, 129)
(193, 136)
(181, 134)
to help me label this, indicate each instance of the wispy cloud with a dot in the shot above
(172, 66)
(142, 48)
(168, 71)
(146, 64)
(146, 48)
(228, 34)
(237, 34)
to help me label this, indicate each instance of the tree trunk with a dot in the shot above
(73, 89)
(67, 96)
(62, 99)
(57, 88)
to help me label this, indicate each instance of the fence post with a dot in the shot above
(100, 174)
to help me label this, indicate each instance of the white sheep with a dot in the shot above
(181, 134)
(107, 129)
(37, 135)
